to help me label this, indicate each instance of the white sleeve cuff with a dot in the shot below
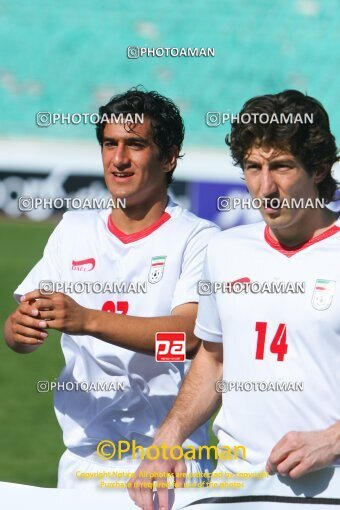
(207, 335)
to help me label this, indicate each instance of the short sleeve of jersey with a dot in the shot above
(48, 267)
(208, 325)
(186, 290)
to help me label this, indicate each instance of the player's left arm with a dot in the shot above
(62, 313)
(299, 453)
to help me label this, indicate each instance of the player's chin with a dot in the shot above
(282, 218)
(131, 197)
(120, 191)
(271, 216)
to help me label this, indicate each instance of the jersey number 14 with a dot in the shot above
(279, 343)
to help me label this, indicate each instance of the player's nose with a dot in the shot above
(268, 185)
(121, 158)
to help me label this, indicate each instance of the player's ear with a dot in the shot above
(321, 173)
(170, 160)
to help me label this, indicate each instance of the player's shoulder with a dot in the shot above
(238, 236)
(189, 222)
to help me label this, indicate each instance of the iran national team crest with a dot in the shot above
(323, 294)
(156, 269)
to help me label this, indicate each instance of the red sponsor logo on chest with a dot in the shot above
(83, 265)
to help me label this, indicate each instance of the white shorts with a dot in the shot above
(73, 470)
(324, 483)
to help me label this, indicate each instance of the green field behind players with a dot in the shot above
(30, 437)
(31, 441)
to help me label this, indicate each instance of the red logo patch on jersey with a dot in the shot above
(83, 265)
(170, 347)
(245, 279)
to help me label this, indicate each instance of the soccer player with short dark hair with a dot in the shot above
(271, 338)
(152, 240)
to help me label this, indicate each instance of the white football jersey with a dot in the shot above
(273, 338)
(168, 256)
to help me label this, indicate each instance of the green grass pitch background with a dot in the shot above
(30, 438)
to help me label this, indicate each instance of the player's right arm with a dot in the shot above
(194, 405)
(188, 413)
(22, 331)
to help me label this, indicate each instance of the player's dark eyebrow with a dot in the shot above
(276, 161)
(250, 162)
(283, 161)
(138, 139)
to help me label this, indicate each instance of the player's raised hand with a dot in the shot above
(25, 326)
(299, 453)
(149, 471)
(58, 311)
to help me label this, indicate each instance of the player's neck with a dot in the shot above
(317, 221)
(135, 218)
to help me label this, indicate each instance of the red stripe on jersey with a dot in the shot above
(129, 238)
(289, 251)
